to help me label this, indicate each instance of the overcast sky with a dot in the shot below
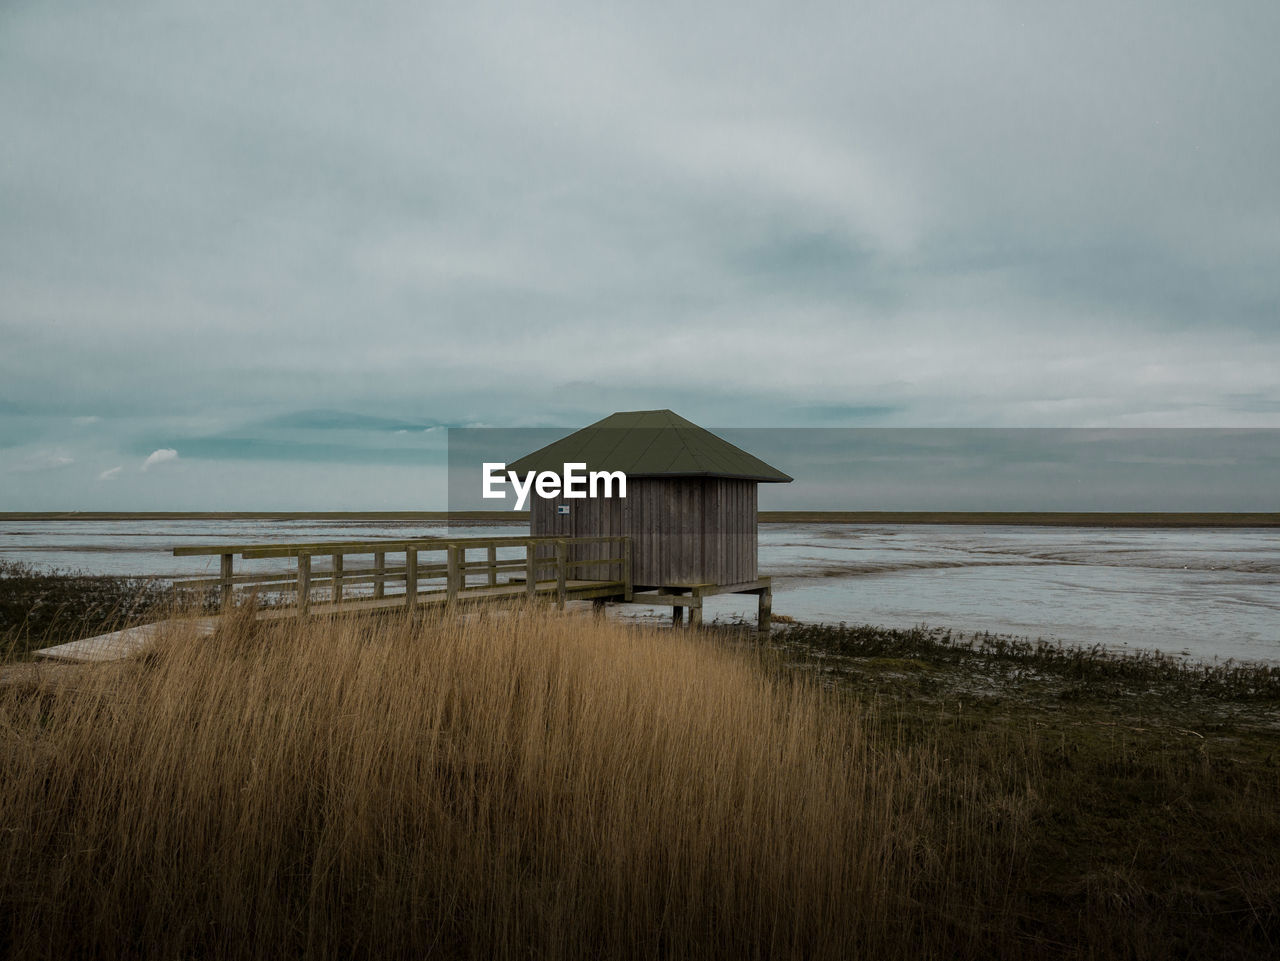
(259, 255)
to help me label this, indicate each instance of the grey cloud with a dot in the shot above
(41, 461)
(342, 420)
(287, 451)
(829, 413)
(988, 215)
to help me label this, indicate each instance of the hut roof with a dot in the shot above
(651, 443)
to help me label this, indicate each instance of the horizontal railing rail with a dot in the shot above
(541, 555)
(395, 546)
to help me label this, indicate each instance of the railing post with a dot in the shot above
(695, 609)
(531, 568)
(304, 584)
(453, 572)
(225, 576)
(411, 577)
(493, 565)
(562, 566)
(764, 611)
(379, 572)
(337, 578)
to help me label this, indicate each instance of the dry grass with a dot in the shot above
(496, 785)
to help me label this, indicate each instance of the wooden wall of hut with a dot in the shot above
(684, 530)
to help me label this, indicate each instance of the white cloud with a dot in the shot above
(110, 474)
(86, 421)
(161, 456)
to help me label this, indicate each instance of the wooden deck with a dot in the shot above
(133, 641)
(118, 645)
(544, 571)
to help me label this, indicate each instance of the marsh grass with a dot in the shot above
(1152, 783)
(39, 607)
(521, 784)
(1083, 665)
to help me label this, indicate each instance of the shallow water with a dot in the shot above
(1207, 593)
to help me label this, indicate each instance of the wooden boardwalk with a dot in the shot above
(544, 571)
(118, 645)
(133, 641)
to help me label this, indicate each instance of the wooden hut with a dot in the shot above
(690, 507)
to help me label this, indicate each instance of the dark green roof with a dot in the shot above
(651, 443)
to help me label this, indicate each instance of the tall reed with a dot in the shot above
(518, 784)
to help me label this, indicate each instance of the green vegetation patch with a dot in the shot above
(44, 607)
(1150, 785)
(1079, 671)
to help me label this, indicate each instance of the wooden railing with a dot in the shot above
(412, 573)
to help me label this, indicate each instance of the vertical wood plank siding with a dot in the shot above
(684, 530)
